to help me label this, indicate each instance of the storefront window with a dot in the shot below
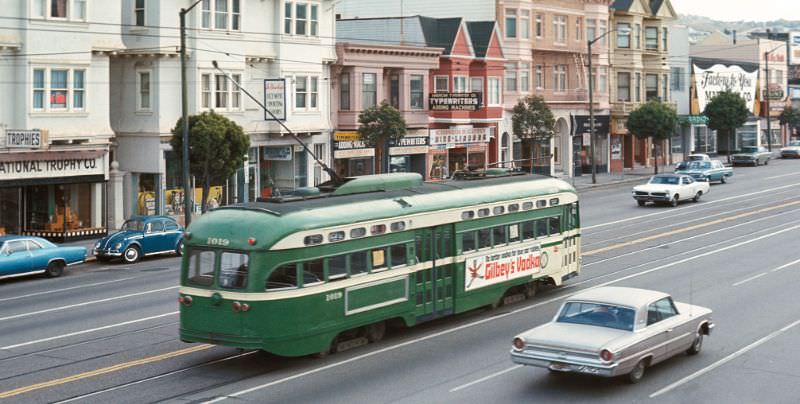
(60, 208)
(400, 164)
(173, 202)
(360, 166)
(282, 170)
(146, 202)
(439, 168)
(10, 208)
(705, 140)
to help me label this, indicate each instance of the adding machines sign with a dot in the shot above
(718, 78)
(490, 268)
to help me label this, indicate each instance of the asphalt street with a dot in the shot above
(108, 332)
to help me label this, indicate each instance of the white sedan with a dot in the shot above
(671, 189)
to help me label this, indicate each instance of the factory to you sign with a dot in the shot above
(454, 101)
(717, 78)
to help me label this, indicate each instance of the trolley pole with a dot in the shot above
(188, 194)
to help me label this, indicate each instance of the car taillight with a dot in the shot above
(236, 306)
(185, 300)
(519, 343)
(606, 355)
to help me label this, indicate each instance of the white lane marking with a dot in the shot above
(690, 238)
(483, 321)
(483, 379)
(72, 334)
(110, 299)
(765, 273)
(687, 208)
(781, 176)
(64, 289)
(149, 379)
(724, 360)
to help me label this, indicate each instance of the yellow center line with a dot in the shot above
(106, 370)
(685, 229)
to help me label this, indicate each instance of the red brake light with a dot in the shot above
(606, 355)
(245, 307)
(251, 241)
(236, 306)
(519, 343)
(185, 300)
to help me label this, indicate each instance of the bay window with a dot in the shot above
(344, 92)
(417, 87)
(221, 15)
(459, 84)
(476, 86)
(217, 93)
(441, 84)
(511, 23)
(651, 87)
(59, 89)
(369, 90)
(651, 38)
(623, 87)
(301, 18)
(494, 91)
(560, 28)
(623, 35)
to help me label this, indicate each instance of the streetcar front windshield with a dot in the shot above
(201, 267)
(233, 270)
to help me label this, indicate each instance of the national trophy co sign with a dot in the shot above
(717, 78)
(454, 101)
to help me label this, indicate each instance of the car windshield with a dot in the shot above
(133, 225)
(699, 165)
(597, 314)
(697, 157)
(670, 180)
(794, 143)
(749, 149)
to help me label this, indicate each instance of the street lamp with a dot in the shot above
(623, 31)
(187, 196)
(766, 95)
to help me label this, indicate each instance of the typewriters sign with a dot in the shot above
(454, 101)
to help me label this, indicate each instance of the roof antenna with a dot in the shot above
(334, 177)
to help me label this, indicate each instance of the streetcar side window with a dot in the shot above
(541, 228)
(313, 272)
(513, 233)
(529, 230)
(513, 208)
(337, 268)
(468, 241)
(398, 254)
(233, 270)
(358, 263)
(201, 267)
(484, 238)
(527, 205)
(499, 234)
(555, 225)
(379, 259)
(541, 203)
(282, 277)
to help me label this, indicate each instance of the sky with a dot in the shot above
(735, 10)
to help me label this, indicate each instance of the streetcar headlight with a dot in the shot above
(185, 300)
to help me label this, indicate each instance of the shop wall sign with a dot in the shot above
(409, 145)
(283, 153)
(275, 99)
(717, 78)
(23, 139)
(454, 101)
(460, 137)
(774, 92)
(794, 48)
(581, 124)
(20, 166)
(349, 145)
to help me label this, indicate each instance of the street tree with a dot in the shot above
(534, 123)
(791, 118)
(217, 148)
(725, 112)
(654, 120)
(379, 126)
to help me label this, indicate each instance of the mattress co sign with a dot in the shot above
(489, 269)
(21, 168)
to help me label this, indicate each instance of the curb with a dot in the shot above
(590, 187)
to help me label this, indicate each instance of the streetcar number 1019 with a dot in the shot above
(333, 296)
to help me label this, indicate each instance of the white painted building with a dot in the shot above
(55, 130)
(252, 40)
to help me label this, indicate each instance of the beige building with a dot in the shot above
(640, 72)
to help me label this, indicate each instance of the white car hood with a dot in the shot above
(655, 187)
(578, 337)
(787, 148)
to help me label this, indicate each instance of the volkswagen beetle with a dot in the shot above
(141, 236)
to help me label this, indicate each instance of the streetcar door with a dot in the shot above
(435, 285)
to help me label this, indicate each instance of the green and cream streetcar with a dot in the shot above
(300, 274)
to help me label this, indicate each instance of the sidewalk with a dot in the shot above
(89, 244)
(630, 176)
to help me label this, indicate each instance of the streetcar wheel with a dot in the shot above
(697, 345)
(637, 373)
(54, 269)
(131, 255)
(375, 332)
(531, 289)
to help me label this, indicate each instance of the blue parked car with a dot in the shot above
(25, 255)
(141, 236)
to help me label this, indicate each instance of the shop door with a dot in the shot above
(577, 148)
(435, 286)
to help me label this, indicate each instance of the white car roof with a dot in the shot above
(621, 296)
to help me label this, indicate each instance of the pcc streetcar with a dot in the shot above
(306, 273)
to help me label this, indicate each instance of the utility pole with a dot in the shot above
(188, 193)
(591, 114)
(767, 96)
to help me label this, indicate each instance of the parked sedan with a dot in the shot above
(24, 255)
(141, 236)
(752, 155)
(614, 331)
(671, 189)
(692, 157)
(709, 171)
(792, 150)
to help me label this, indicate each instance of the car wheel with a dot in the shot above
(641, 203)
(674, 201)
(179, 249)
(766, 162)
(637, 373)
(54, 269)
(755, 163)
(696, 345)
(723, 180)
(131, 254)
(697, 196)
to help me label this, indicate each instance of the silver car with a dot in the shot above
(614, 331)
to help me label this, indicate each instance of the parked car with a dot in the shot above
(141, 236)
(614, 331)
(671, 189)
(25, 255)
(708, 171)
(792, 150)
(752, 155)
(692, 157)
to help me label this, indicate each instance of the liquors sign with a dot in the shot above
(493, 267)
(717, 78)
(275, 99)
